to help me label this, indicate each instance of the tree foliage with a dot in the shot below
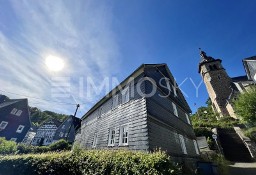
(7, 147)
(38, 116)
(245, 106)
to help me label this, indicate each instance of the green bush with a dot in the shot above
(7, 147)
(251, 133)
(81, 162)
(60, 145)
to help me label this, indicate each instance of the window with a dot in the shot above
(19, 113)
(111, 137)
(125, 95)
(20, 129)
(175, 109)
(174, 90)
(61, 134)
(13, 139)
(66, 135)
(3, 125)
(63, 126)
(183, 146)
(123, 140)
(219, 77)
(188, 120)
(168, 85)
(196, 147)
(95, 138)
(215, 67)
(115, 102)
(14, 110)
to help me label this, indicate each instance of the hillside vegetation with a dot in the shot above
(38, 116)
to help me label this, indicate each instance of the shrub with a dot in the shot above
(251, 133)
(7, 147)
(89, 162)
(60, 145)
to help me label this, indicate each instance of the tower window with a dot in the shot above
(215, 67)
(210, 67)
(219, 77)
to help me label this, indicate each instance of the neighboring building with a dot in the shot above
(46, 132)
(221, 88)
(250, 68)
(29, 136)
(145, 112)
(68, 129)
(14, 118)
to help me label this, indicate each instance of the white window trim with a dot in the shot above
(188, 120)
(196, 147)
(174, 90)
(175, 111)
(110, 136)
(95, 139)
(121, 135)
(18, 113)
(20, 130)
(124, 92)
(14, 110)
(61, 134)
(13, 139)
(183, 145)
(3, 122)
(115, 101)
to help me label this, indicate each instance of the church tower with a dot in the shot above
(217, 82)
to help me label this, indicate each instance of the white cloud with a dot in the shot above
(77, 31)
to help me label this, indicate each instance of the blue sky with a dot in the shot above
(100, 39)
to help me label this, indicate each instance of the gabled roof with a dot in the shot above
(135, 74)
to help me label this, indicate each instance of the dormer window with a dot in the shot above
(115, 102)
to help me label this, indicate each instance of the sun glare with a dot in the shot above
(54, 63)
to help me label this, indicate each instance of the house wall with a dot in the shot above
(14, 121)
(132, 113)
(164, 126)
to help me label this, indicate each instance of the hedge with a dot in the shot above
(81, 162)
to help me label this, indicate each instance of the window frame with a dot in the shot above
(121, 135)
(115, 101)
(14, 110)
(125, 92)
(188, 120)
(174, 91)
(183, 144)
(20, 130)
(110, 139)
(196, 147)
(18, 113)
(175, 110)
(95, 139)
(3, 122)
(13, 139)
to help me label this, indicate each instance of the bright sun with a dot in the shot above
(54, 63)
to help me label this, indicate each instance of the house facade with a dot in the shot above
(147, 111)
(67, 129)
(14, 118)
(223, 89)
(45, 133)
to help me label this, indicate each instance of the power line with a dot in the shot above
(38, 98)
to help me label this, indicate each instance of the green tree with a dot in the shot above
(245, 106)
(7, 147)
